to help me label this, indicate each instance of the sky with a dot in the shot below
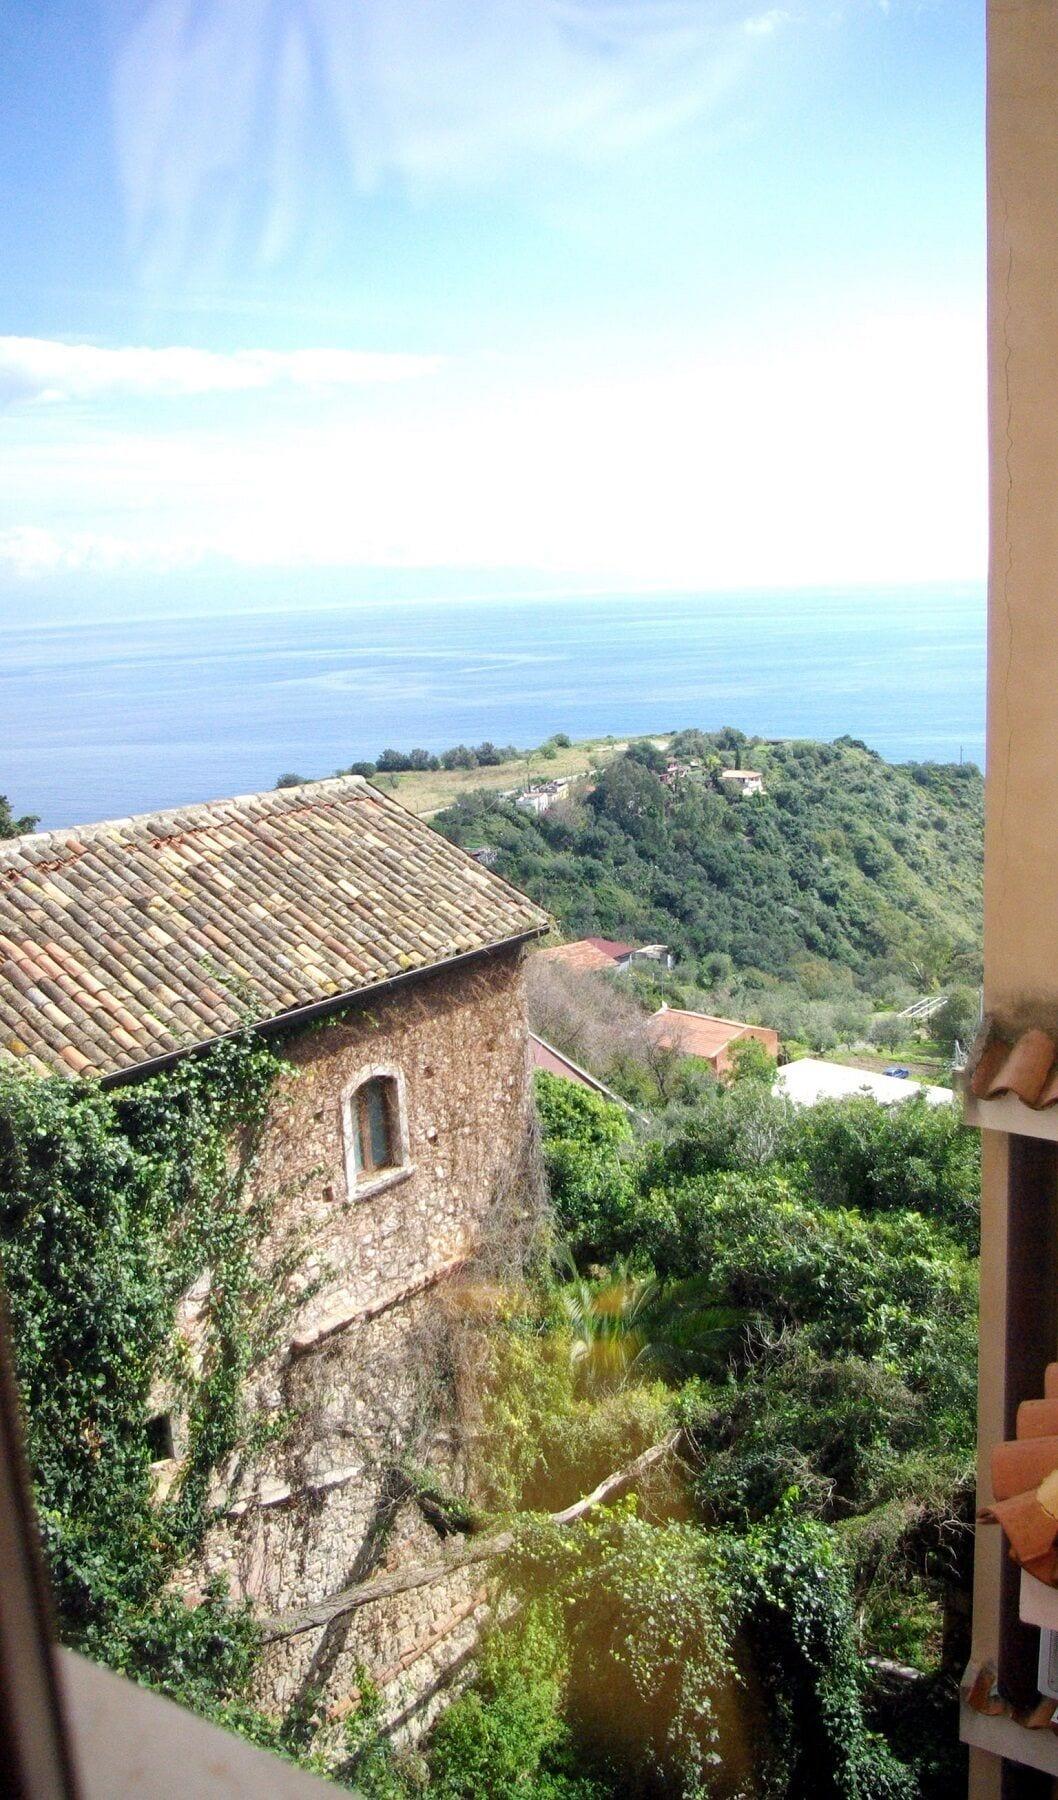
(306, 296)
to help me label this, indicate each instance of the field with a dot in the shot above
(430, 791)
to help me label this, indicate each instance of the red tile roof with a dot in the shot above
(1026, 1066)
(700, 1034)
(129, 941)
(1025, 1485)
(611, 949)
(583, 957)
(553, 1062)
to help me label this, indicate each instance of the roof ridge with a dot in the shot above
(64, 836)
(687, 1012)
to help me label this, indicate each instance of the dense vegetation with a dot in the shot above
(782, 1617)
(417, 761)
(111, 1205)
(792, 1293)
(847, 868)
(784, 1299)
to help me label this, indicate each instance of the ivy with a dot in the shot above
(112, 1204)
(709, 1663)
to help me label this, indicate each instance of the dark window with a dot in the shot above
(376, 1136)
(160, 1437)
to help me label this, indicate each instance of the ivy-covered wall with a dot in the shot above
(184, 1260)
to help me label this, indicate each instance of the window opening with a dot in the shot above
(160, 1437)
(373, 1110)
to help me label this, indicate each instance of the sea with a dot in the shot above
(111, 717)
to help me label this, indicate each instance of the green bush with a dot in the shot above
(913, 1157)
(507, 1737)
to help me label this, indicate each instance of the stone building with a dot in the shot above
(388, 963)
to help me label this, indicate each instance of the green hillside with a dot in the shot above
(870, 867)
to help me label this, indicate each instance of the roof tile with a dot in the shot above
(1026, 1067)
(139, 938)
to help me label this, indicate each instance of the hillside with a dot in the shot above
(425, 782)
(869, 867)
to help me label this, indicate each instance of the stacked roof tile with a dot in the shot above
(1026, 1067)
(1025, 1484)
(136, 939)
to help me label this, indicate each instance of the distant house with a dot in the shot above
(541, 799)
(812, 1079)
(553, 1062)
(604, 955)
(487, 855)
(712, 1040)
(744, 781)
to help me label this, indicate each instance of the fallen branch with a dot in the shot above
(403, 1581)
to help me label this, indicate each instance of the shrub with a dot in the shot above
(506, 1737)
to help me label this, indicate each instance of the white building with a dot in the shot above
(744, 781)
(813, 1079)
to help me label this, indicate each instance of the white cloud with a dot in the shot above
(853, 450)
(763, 24)
(28, 552)
(45, 369)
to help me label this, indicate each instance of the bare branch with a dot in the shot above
(402, 1581)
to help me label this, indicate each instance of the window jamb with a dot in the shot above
(363, 1180)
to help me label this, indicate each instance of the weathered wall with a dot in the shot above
(362, 1372)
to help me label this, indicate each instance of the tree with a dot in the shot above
(285, 781)
(888, 1031)
(648, 756)
(12, 827)
(751, 1062)
(957, 1020)
(628, 795)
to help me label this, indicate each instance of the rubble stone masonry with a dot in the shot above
(360, 1374)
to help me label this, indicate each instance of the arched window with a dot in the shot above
(376, 1133)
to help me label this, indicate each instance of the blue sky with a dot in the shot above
(636, 293)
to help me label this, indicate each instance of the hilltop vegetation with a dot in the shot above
(847, 869)
(425, 782)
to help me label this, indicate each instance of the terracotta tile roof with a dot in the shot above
(610, 948)
(138, 938)
(554, 1062)
(583, 957)
(1025, 1485)
(1026, 1066)
(700, 1034)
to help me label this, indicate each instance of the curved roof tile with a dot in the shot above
(139, 938)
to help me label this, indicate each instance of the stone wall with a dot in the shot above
(362, 1374)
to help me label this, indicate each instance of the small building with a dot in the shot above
(386, 965)
(542, 798)
(487, 855)
(812, 1079)
(710, 1039)
(599, 955)
(743, 781)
